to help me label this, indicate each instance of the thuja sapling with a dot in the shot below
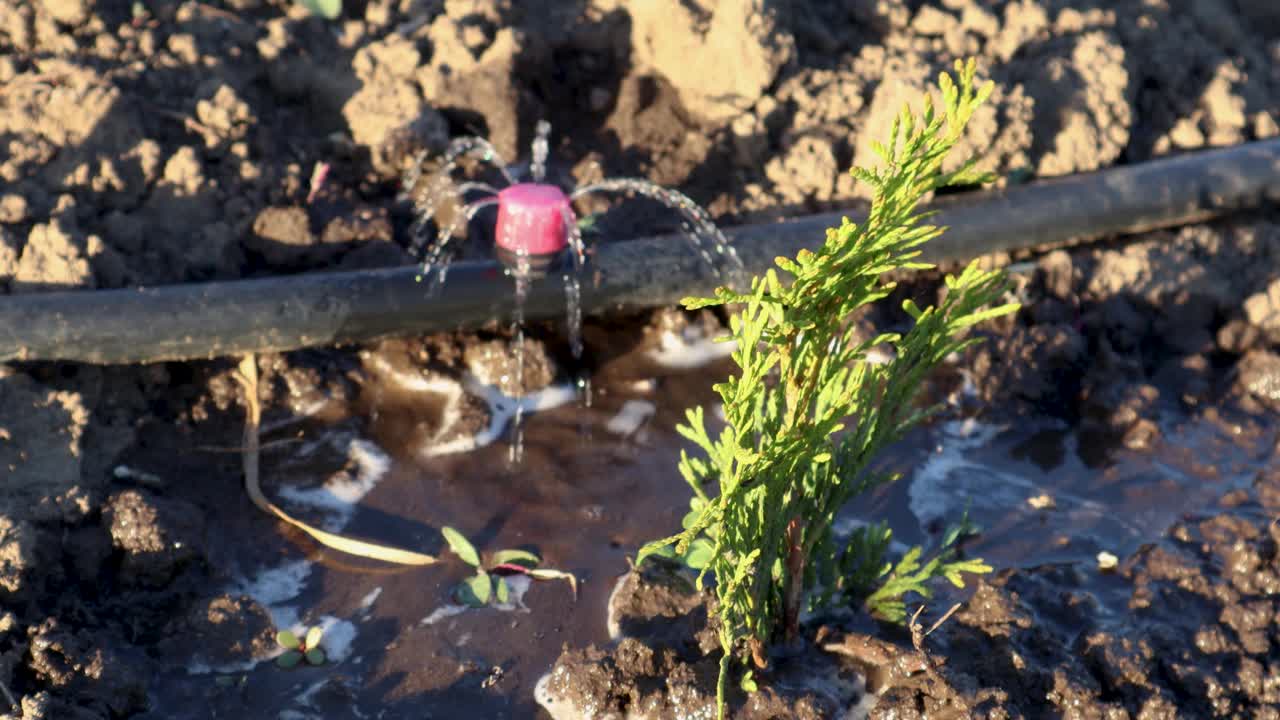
(807, 412)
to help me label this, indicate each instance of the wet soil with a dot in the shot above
(1130, 408)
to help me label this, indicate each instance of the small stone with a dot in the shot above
(1264, 126)
(282, 235)
(1186, 134)
(1262, 310)
(1141, 435)
(1237, 336)
(158, 537)
(1107, 562)
(1056, 274)
(13, 208)
(1043, 501)
(1258, 378)
(932, 22)
(17, 556)
(68, 12)
(495, 363)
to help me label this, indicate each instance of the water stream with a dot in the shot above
(696, 225)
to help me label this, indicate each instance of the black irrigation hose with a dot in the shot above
(193, 321)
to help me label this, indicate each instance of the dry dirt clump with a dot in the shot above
(174, 129)
(721, 60)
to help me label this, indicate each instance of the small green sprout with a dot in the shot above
(588, 224)
(488, 584)
(327, 9)
(296, 650)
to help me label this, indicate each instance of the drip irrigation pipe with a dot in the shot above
(194, 321)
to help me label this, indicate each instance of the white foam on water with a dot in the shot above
(611, 616)
(199, 667)
(502, 408)
(305, 697)
(517, 587)
(949, 480)
(142, 477)
(689, 350)
(861, 710)
(276, 586)
(443, 612)
(344, 489)
(366, 602)
(630, 417)
(337, 640)
(272, 588)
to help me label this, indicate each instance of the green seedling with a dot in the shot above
(327, 9)
(589, 224)
(488, 584)
(806, 413)
(296, 650)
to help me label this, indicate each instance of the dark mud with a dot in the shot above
(1130, 408)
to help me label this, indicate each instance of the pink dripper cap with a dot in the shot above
(532, 220)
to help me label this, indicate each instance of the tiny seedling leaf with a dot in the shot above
(315, 656)
(699, 554)
(475, 590)
(313, 637)
(289, 659)
(287, 640)
(689, 519)
(460, 546)
(327, 9)
(503, 591)
(748, 682)
(516, 557)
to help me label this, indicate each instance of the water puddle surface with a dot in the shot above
(592, 485)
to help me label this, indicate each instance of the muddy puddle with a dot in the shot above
(595, 483)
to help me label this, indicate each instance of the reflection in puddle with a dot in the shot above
(1032, 513)
(691, 348)
(502, 410)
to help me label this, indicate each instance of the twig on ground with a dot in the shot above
(247, 375)
(918, 634)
